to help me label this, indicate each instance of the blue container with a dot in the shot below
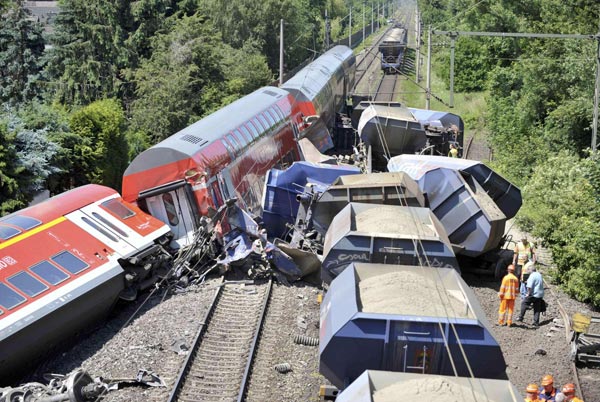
(387, 234)
(430, 332)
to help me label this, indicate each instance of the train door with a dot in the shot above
(225, 184)
(174, 209)
(114, 229)
(99, 230)
(415, 347)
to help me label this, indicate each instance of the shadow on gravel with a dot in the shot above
(121, 314)
(478, 281)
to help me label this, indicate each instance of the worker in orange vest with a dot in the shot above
(507, 294)
(568, 390)
(548, 393)
(532, 393)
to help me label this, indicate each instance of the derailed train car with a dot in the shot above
(65, 262)
(392, 129)
(385, 234)
(414, 313)
(398, 318)
(227, 154)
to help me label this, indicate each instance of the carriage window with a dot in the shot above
(279, 112)
(241, 138)
(254, 129)
(7, 232)
(233, 142)
(49, 273)
(264, 121)
(171, 209)
(247, 134)
(269, 118)
(9, 298)
(99, 229)
(27, 284)
(69, 262)
(117, 208)
(274, 115)
(24, 222)
(228, 147)
(109, 224)
(262, 127)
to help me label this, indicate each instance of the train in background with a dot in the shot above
(392, 48)
(227, 154)
(65, 262)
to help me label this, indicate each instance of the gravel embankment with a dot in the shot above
(114, 351)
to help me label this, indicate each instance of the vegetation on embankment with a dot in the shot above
(539, 97)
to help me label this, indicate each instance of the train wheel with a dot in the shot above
(500, 270)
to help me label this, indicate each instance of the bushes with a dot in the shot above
(561, 207)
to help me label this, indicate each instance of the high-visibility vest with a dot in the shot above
(523, 252)
(453, 153)
(510, 287)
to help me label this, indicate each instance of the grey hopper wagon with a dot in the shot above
(375, 188)
(394, 130)
(385, 386)
(405, 319)
(471, 201)
(385, 234)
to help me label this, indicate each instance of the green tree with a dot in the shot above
(561, 200)
(171, 84)
(11, 198)
(259, 21)
(89, 53)
(103, 148)
(21, 48)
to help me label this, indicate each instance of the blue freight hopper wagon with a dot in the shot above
(404, 319)
(283, 188)
(374, 188)
(386, 234)
(385, 386)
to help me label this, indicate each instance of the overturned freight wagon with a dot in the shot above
(390, 130)
(402, 319)
(471, 201)
(385, 386)
(375, 188)
(284, 188)
(385, 234)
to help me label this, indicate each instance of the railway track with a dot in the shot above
(386, 89)
(219, 364)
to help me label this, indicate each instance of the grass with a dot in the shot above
(471, 107)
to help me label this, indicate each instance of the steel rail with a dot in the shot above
(190, 357)
(253, 347)
(231, 327)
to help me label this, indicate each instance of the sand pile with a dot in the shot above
(428, 389)
(409, 293)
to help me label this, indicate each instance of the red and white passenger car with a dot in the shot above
(63, 265)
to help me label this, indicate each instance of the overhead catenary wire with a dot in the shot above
(427, 263)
